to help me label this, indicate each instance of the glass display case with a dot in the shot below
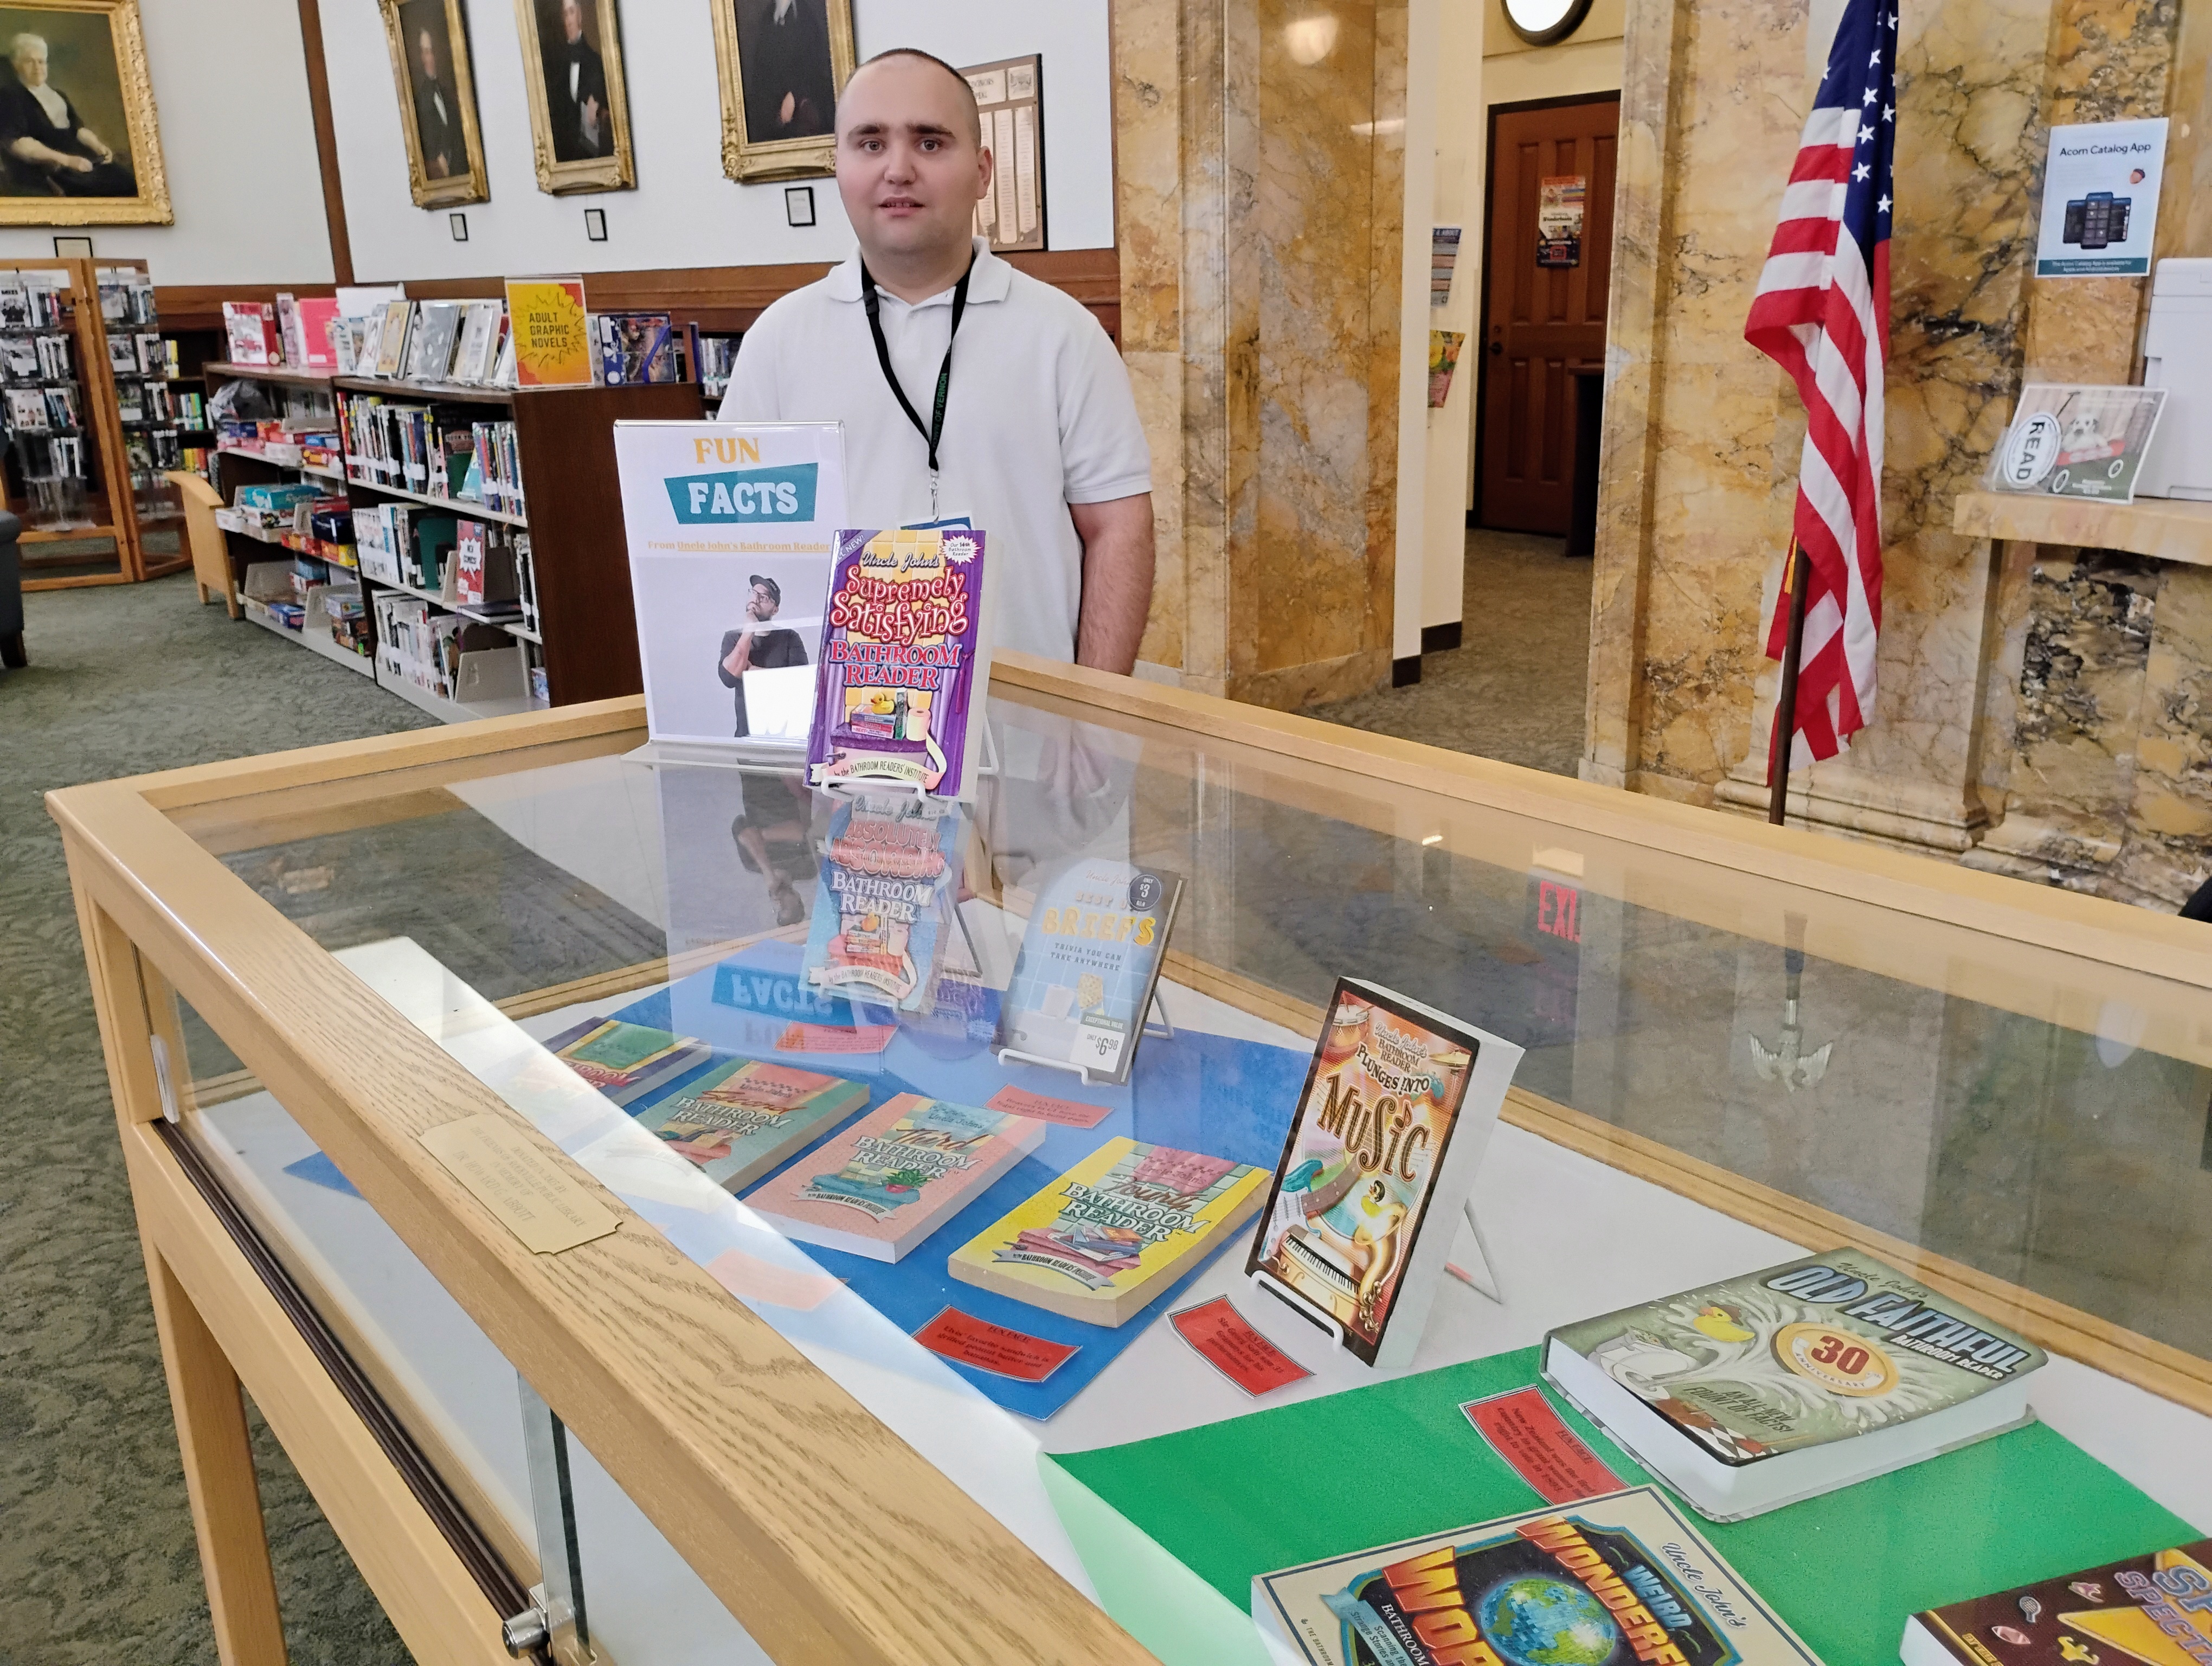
(560, 1391)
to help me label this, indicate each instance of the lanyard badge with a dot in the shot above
(935, 431)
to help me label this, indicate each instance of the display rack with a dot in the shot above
(106, 486)
(578, 643)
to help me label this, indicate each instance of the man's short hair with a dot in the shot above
(25, 42)
(975, 112)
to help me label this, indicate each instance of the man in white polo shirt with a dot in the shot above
(968, 388)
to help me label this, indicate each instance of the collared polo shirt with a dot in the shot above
(1040, 416)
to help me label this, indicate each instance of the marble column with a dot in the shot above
(1260, 190)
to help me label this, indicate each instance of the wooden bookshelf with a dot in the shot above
(564, 438)
(111, 512)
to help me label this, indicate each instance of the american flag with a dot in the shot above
(1822, 312)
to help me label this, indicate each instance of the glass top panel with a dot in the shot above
(1958, 1091)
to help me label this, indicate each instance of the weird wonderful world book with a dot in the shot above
(1621, 1580)
(898, 693)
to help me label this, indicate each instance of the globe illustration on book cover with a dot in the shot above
(1536, 1621)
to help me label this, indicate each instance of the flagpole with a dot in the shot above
(1794, 575)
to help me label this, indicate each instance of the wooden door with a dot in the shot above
(1541, 321)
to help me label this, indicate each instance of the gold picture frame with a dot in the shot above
(435, 176)
(598, 156)
(748, 155)
(96, 60)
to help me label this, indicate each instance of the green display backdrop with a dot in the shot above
(1399, 1460)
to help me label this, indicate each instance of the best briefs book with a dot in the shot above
(1621, 1580)
(1101, 1242)
(1091, 959)
(1367, 1195)
(2154, 1609)
(742, 1119)
(895, 1176)
(1778, 1385)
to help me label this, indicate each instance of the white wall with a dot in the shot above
(683, 212)
(238, 141)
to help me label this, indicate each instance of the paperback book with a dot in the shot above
(883, 905)
(2155, 1609)
(742, 1119)
(895, 1177)
(1089, 961)
(635, 347)
(1779, 1385)
(1107, 1237)
(1391, 1125)
(250, 332)
(897, 695)
(625, 1062)
(1621, 1580)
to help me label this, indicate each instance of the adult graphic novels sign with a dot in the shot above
(731, 530)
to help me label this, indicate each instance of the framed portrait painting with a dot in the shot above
(579, 110)
(782, 63)
(429, 44)
(78, 144)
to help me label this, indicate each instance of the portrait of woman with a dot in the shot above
(77, 145)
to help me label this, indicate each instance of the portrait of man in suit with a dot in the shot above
(575, 80)
(430, 66)
(791, 87)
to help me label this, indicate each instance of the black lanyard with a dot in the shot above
(935, 431)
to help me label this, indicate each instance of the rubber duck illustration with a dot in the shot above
(2071, 1649)
(1717, 1322)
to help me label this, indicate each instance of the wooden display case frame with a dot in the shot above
(827, 1536)
(105, 426)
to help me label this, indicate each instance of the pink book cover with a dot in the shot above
(894, 1177)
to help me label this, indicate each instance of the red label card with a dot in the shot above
(829, 1038)
(993, 1348)
(1045, 1108)
(1225, 1339)
(1525, 1432)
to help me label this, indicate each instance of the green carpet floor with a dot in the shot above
(97, 1560)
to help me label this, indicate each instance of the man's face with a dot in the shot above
(31, 67)
(909, 166)
(763, 605)
(572, 20)
(426, 54)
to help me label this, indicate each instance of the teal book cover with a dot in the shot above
(741, 1118)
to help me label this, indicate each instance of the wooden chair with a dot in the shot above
(210, 549)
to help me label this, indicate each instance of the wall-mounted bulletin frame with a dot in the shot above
(429, 40)
(782, 64)
(78, 142)
(1010, 96)
(572, 70)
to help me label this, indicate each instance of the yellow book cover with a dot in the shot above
(552, 341)
(1117, 1229)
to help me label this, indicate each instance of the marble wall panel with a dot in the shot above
(2168, 852)
(2184, 212)
(1314, 215)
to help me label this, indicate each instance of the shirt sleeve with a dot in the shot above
(1103, 452)
(751, 396)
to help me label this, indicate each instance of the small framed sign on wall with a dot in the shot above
(1010, 97)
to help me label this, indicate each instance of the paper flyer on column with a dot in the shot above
(2100, 199)
(731, 529)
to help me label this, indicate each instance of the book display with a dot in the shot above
(1425, 1271)
(90, 420)
(457, 598)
